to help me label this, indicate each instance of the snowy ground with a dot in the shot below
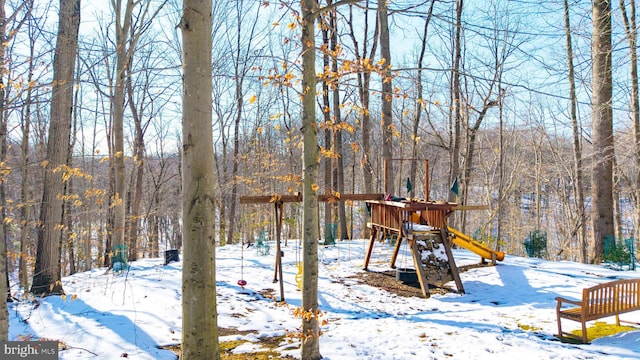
(507, 312)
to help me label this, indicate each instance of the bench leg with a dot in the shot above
(559, 327)
(618, 320)
(584, 332)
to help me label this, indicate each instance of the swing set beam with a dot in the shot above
(297, 197)
(279, 200)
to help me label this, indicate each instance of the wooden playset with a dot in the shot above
(422, 223)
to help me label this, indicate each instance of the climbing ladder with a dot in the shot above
(433, 260)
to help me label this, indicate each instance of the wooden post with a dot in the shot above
(372, 240)
(426, 180)
(452, 263)
(279, 252)
(386, 175)
(420, 272)
(396, 250)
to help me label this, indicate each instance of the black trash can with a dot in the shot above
(171, 255)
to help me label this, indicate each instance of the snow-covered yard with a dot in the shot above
(507, 312)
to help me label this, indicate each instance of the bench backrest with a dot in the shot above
(611, 298)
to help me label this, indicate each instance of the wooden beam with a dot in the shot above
(351, 197)
(471, 207)
(266, 199)
(297, 197)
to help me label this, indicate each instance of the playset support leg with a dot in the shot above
(396, 249)
(278, 272)
(420, 271)
(372, 240)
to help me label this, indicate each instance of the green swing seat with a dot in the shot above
(262, 243)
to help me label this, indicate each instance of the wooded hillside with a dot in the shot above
(482, 90)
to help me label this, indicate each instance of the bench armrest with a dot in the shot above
(561, 300)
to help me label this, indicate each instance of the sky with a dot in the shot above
(507, 311)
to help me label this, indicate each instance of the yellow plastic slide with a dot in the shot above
(468, 243)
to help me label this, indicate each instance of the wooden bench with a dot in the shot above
(608, 299)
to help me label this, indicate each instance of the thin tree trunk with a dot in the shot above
(387, 93)
(68, 231)
(328, 129)
(138, 174)
(337, 119)
(89, 221)
(154, 231)
(25, 211)
(241, 66)
(236, 153)
(364, 81)
(617, 212)
(456, 92)
(69, 185)
(118, 202)
(419, 104)
(4, 286)
(577, 146)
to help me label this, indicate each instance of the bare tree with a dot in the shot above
(602, 128)
(419, 99)
(241, 66)
(456, 98)
(199, 315)
(123, 53)
(387, 92)
(46, 278)
(631, 32)
(364, 56)
(577, 144)
(310, 222)
(25, 127)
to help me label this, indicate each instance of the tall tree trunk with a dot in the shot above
(419, 104)
(88, 220)
(46, 278)
(236, 152)
(387, 93)
(199, 315)
(239, 67)
(577, 145)
(4, 286)
(328, 129)
(109, 224)
(602, 124)
(456, 106)
(310, 326)
(337, 119)
(67, 215)
(118, 202)
(631, 32)
(364, 85)
(138, 174)
(25, 211)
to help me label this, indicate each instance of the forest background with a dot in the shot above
(484, 91)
